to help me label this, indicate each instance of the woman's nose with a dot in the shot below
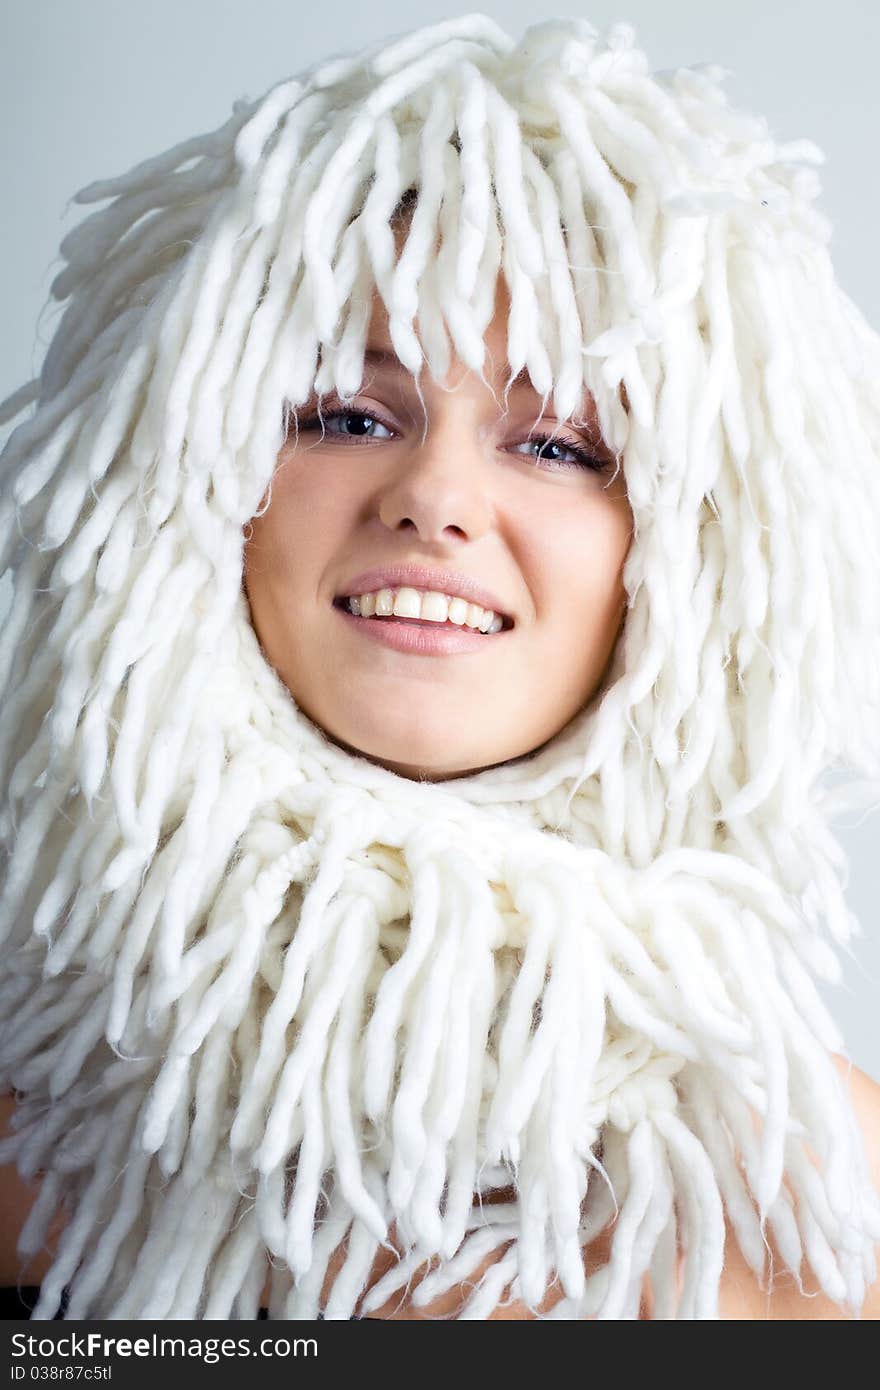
(439, 485)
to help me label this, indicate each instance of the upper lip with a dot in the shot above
(418, 577)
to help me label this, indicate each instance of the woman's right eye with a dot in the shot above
(353, 424)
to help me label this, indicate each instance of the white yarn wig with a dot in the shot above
(263, 999)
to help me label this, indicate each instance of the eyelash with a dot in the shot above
(583, 459)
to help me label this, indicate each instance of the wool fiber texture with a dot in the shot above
(260, 997)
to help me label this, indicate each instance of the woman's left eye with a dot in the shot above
(579, 458)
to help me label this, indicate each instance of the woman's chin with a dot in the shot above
(425, 767)
(420, 759)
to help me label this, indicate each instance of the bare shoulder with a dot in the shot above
(17, 1196)
(740, 1295)
(864, 1092)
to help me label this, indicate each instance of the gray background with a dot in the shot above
(89, 87)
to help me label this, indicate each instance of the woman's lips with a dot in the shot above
(420, 636)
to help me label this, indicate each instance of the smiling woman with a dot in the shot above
(440, 488)
(443, 557)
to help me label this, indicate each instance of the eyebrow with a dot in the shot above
(381, 357)
(387, 359)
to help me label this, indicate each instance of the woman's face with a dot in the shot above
(467, 493)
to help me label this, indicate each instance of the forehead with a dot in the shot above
(495, 335)
(381, 360)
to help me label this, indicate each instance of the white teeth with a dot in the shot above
(427, 605)
(434, 607)
(407, 604)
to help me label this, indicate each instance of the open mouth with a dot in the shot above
(342, 602)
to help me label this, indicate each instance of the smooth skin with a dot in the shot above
(456, 483)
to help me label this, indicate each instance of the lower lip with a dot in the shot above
(423, 640)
